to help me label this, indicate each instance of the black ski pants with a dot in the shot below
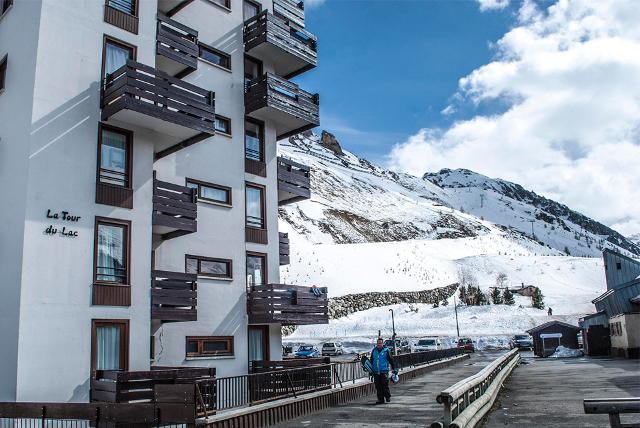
(381, 382)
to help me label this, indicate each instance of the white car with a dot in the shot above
(332, 348)
(428, 344)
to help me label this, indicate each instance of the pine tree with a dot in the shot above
(566, 251)
(507, 297)
(436, 304)
(482, 298)
(445, 302)
(537, 300)
(496, 299)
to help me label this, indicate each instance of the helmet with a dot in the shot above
(395, 378)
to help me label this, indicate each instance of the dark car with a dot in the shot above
(467, 344)
(522, 341)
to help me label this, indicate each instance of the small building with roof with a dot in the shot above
(548, 336)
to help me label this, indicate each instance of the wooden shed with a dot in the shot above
(548, 336)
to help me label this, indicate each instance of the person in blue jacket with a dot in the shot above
(381, 359)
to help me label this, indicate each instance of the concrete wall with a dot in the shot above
(18, 40)
(629, 339)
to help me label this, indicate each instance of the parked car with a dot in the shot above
(307, 351)
(332, 348)
(522, 341)
(428, 344)
(467, 344)
(402, 345)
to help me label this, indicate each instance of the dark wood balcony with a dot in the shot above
(288, 305)
(140, 95)
(282, 103)
(175, 212)
(174, 296)
(294, 181)
(284, 248)
(290, 10)
(290, 49)
(176, 47)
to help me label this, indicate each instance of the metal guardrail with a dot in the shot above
(467, 401)
(613, 407)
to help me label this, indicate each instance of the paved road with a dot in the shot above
(413, 403)
(549, 392)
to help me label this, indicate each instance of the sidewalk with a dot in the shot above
(549, 392)
(413, 403)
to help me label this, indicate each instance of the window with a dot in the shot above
(111, 251)
(211, 192)
(211, 346)
(618, 266)
(215, 56)
(207, 266)
(4, 6)
(109, 345)
(250, 9)
(3, 72)
(224, 3)
(258, 342)
(114, 154)
(252, 69)
(115, 55)
(253, 140)
(255, 206)
(256, 269)
(223, 125)
(126, 6)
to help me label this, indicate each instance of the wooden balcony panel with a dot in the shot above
(294, 181)
(116, 196)
(291, 10)
(174, 296)
(177, 44)
(284, 248)
(288, 305)
(175, 212)
(121, 19)
(290, 109)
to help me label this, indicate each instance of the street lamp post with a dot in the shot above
(393, 337)
(455, 308)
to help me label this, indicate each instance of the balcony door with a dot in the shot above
(258, 342)
(109, 345)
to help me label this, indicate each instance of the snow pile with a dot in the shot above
(562, 352)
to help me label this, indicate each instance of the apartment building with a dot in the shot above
(140, 187)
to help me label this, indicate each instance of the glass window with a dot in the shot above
(115, 56)
(253, 141)
(250, 9)
(254, 207)
(207, 266)
(111, 253)
(209, 346)
(255, 270)
(252, 69)
(109, 345)
(223, 3)
(215, 56)
(114, 157)
(223, 124)
(3, 72)
(126, 6)
(211, 192)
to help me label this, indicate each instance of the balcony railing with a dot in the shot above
(175, 212)
(176, 46)
(144, 96)
(291, 50)
(294, 181)
(284, 248)
(288, 305)
(283, 103)
(291, 10)
(174, 296)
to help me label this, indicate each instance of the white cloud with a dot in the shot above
(493, 4)
(571, 76)
(310, 4)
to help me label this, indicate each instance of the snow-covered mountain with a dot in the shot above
(369, 229)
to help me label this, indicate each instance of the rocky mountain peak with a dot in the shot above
(329, 141)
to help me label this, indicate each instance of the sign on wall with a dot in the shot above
(66, 218)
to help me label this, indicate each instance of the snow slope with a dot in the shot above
(368, 229)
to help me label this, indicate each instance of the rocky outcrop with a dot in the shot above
(350, 303)
(328, 141)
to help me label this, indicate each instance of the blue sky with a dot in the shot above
(388, 69)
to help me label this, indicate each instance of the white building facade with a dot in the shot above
(141, 184)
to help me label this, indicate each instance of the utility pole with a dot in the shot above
(532, 232)
(455, 308)
(393, 337)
